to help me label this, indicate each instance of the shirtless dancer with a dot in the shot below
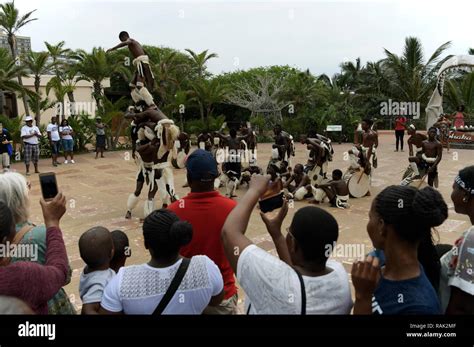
(335, 190)
(416, 139)
(155, 153)
(370, 142)
(319, 157)
(147, 151)
(431, 156)
(143, 81)
(283, 144)
(296, 184)
(232, 166)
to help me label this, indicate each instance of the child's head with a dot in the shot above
(336, 175)
(96, 248)
(121, 249)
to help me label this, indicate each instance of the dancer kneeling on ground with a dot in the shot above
(301, 180)
(145, 288)
(317, 285)
(399, 219)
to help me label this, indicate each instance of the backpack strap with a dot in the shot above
(174, 285)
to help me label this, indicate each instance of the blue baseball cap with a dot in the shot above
(201, 166)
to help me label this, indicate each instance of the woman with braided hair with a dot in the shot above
(400, 220)
(140, 289)
(456, 288)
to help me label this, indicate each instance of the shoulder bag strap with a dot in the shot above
(174, 285)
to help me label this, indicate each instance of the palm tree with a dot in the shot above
(96, 67)
(200, 60)
(352, 72)
(207, 94)
(411, 78)
(460, 91)
(60, 91)
(179, 105)
(9, 71)
(38, 64)
(471, 51)
(55, 52)
(11, 22)
(164, 72)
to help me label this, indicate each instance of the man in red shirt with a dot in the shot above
(400, 131)
(206, 209)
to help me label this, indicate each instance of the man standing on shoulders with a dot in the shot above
(199, 208)
(54, 139)
(30, 135)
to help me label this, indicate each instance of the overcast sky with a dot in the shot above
(318, 35)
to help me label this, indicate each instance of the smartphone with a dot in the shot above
(271, 203)
(49, 186)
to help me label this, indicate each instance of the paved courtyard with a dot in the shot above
(97, 192)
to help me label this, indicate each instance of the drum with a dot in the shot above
(180, 161)
(315, 175)
(358, 183)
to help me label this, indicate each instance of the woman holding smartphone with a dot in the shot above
(14, 191)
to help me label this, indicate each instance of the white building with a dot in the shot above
(84, 101)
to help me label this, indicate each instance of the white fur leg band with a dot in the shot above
(132, 202)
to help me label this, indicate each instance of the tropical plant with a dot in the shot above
(200, 60)
(208, 93)
(95, 67)
(11, 22)
(460, 91)
(411, 78)
(57, 52)
(60, 91)
(8, 72)
(38, 64)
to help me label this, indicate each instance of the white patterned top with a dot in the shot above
(138, 289)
